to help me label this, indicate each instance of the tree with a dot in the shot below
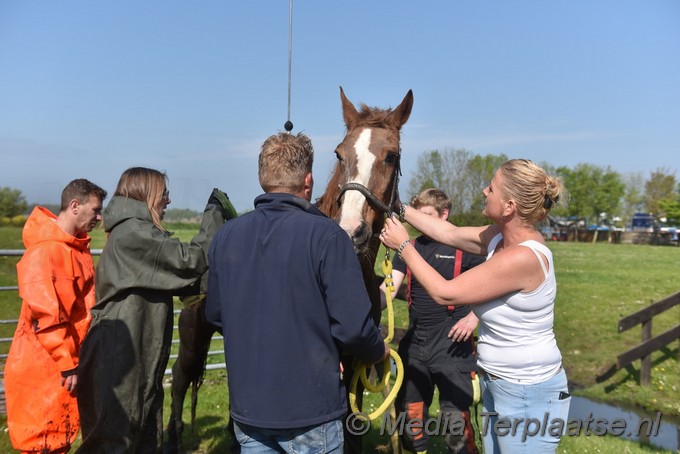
(442, 170)
(479, 173)
(659, 189)
(633, 197)
(592, 190)
(671, 210)
(12, 202)
(462, 175)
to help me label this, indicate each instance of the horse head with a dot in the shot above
(364, 181)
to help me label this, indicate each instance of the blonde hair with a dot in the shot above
(146, 185)
(432, 197)
(284, 161)
(532, 189)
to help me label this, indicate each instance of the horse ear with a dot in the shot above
(349, 112)
(403, 111)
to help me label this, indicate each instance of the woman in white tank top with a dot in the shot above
(525, 395)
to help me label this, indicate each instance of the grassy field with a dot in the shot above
(597, 285)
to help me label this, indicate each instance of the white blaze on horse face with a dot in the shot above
(353, 203)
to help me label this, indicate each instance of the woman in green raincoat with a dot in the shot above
(125, 353)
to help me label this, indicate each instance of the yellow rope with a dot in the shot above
(476, 391)
(362, 368)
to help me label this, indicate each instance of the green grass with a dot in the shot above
(597, 285)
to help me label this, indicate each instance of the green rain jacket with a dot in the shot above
(125, 353)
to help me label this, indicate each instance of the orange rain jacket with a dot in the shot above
(56, 284)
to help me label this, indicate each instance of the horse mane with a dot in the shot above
(327, 202)
(375, 117)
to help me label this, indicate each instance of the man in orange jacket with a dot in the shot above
(56, 285)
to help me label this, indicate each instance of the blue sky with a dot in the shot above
(90, 88)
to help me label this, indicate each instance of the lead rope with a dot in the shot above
(362, 367)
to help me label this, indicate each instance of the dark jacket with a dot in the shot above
(285, 286)
(423, 310)
(126, 350)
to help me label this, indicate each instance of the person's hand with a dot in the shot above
(221, 200)
(463, 328)
(394, 233)
(386, 355)
(69, 382)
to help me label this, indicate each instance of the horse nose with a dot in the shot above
(361, 235)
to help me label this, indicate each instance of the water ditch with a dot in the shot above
(658, 430)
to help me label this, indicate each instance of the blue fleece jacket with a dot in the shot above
(286, 288)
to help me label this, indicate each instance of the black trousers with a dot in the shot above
(432, 359)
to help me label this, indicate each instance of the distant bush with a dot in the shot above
(19, 220)
(12, 202)
(14, 221)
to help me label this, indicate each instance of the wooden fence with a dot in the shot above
(649, 344)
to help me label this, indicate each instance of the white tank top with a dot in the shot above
(516, 339)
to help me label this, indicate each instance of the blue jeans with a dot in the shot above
(323, 438)
(519, 418)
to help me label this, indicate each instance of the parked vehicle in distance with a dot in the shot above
(643, 222)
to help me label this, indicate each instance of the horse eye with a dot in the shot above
(391, 158)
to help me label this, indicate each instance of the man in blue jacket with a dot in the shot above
(285, 288)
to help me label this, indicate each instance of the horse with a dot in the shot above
(363, 184)
(361, 189)
(195, 335)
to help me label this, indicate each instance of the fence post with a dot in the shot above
(646, 361)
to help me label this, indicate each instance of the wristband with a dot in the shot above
(402, 212)
(402, 246)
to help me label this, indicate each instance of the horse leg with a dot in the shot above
(181, 379)
(180, 384)
(195, 335)
(203, 334)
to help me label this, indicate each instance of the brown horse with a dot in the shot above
(364, 182)
(360, 191)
